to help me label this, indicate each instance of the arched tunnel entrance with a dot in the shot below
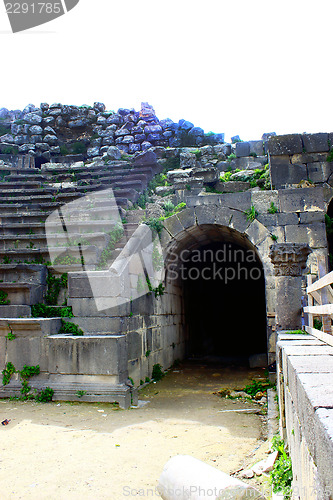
(223, 288)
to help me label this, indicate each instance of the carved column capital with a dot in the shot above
(289, 259)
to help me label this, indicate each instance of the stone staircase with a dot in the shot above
(31, 201)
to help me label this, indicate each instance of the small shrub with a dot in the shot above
(80, 394)
(43, 311)
(7, 373)
(45, 395)
(274, 237)
(10, 335)
(3, 298)
(272, 209)
(79, 148)
(251, 214)
(281, 476)
(255, 387)
(9, 150)
(330, 156)
(317, 323)
(155, 224)
(232, 156)
(64, 151)
(157, 373)
(72, 328)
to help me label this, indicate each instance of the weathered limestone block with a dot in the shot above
(242, 149)
(314, 234)
(308, 157)
(232, 186)
(172, 175)
(283, 173)
(310, 217)
(288, 144)
(262, 200)
(257, 232)
(209, 174)
(187, 217)
(257, 147)
(285, 219)
(205, 214)
(101, 355)
(239, 221)
(268, 220)
(173, 225)
(302, 200)
(314, 143)
(238, 201)
(319, 171)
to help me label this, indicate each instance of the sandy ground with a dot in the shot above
(61, 451)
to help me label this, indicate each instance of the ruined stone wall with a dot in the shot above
(55, 129)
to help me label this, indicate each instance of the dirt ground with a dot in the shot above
(85, 451)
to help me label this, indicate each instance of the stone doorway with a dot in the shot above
(223, 287)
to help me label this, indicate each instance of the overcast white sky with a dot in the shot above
(240, 67)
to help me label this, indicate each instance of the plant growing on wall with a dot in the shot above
(251, 214)
(157, 373)
(3, 298)
(272, 209)
(72, 328)
(282, 475)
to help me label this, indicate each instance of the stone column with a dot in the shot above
(289, 261)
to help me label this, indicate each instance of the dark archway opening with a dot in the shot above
(225, 306)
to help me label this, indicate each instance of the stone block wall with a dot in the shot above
(305, 381)
(297, 158)
(154, 327)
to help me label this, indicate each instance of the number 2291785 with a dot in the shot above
(33, 8)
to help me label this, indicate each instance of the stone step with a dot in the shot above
(23, 293)
(21, 186)
(30, 273)
(15, 311)
(99, 325)
(55, 168)
(29, 327)
(95, 389)
(42, 255)
(10, 242)
(19, 198)
(21, 178)
(37, 228)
